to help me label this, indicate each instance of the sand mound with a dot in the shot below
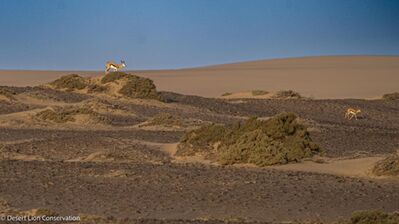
(388, 166)
(279, 140)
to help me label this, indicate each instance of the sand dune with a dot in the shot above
(319, 77)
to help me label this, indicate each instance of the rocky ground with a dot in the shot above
(119, 171)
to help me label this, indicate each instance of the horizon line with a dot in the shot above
(210, 65)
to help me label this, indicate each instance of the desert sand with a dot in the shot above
(105, 154)
(319, 77)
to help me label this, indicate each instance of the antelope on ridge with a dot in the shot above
(352, 113)
(111, 65)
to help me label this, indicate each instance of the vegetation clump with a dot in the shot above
(201, 140)
(391, 96)
(279, 140)
(259, 92)
(226, 94)
(70, 82)
(113, 76)
(94, 88)
(66, 114)
(7, 93)
(388, 166)
(372, 217)
(287, 94)
(51, 115)
(165, 119)
(139, 87)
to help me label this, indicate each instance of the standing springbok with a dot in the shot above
(111, 65)
(352, 113)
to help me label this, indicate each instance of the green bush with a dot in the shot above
(388, 166)
(70, 82)
(278, 140)
(139, 87)
(391, 96)
(113, 76)
(259, 92)
(285, 94)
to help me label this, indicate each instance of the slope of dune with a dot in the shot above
(319, 77)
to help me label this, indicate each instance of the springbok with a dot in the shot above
(110, 65)
(352, 113)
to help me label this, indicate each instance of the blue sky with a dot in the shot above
(155, 34)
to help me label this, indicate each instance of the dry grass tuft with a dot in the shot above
(388, 166)
(226, 94)
(66, 114)
(372, 217)
(165, 119)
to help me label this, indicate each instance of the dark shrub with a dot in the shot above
(278, 140)
(285, 94)
(391, 96)
(200, 140)
(139, 87)
(70, 82)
